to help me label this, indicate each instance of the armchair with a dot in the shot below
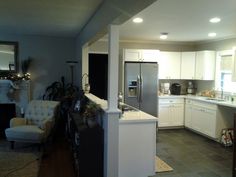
(36, 125)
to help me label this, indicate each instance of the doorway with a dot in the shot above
(98, 74)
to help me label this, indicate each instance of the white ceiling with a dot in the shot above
(46, 17)
(184, 20)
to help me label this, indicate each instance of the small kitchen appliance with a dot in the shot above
(165, 88)
(190, 88)
(175, 89)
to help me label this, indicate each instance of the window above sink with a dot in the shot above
(224, 71)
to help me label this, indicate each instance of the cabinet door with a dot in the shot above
(132, 55)
(197, 118)
(209, 126)
(169, 65)
(204, 120)
(150, 55)
(177, 114)
(188, 116)
(188, 65)
(164, 116)
(205, 65)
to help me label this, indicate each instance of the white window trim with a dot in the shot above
(219, 54)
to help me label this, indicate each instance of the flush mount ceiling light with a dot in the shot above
(137, 20)
(211, 34)
(163, 35)
(215, 20)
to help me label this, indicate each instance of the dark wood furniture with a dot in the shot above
(86, 145)
(7, 111)
(234, 148)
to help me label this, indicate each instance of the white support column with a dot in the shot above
(111, 120)
(85, 65)
(113, 67)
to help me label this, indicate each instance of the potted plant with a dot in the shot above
(90, 113)
(25, 64)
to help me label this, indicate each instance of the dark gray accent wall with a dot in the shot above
(49, 59)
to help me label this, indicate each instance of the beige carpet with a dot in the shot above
(23, 161)
(161, 166)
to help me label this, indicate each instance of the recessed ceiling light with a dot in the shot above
(215, 20)
(211, 34)
(137, 20)
(163, 35)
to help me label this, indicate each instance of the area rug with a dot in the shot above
(161, 166)
(22, 161)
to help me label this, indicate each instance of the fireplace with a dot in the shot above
(19, 95)
(7, 111)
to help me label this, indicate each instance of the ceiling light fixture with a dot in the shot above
(215, 20)
(211, 34)
(137, 20)
(163, 35)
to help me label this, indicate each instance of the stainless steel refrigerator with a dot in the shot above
(141, 83)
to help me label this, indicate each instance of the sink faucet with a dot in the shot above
(222, 93)
(120, 98)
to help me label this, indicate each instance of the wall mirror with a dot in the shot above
(8, 57)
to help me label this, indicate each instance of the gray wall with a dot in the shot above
(49, 58)
(102, 46)
(226, 44)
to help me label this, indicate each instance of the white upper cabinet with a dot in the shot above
(198, 65)
(169, 65)
(188, 65)
(141, 55)
(132, 55)
(150, 55)
(205, 65)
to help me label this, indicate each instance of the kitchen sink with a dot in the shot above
(215, 99)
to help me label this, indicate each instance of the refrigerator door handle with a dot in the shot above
(138, 88)
(141, 89)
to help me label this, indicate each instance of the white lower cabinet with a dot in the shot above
(171, 112)
(205, 118)
(188, 114)
(201, 117)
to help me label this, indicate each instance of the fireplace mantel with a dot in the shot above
(17, 92)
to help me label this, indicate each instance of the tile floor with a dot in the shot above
(192, 155)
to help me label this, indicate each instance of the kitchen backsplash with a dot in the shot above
(183, 83)
(198, 84)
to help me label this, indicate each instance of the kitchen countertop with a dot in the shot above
(127, 116)
(203, 99)
(137, 117)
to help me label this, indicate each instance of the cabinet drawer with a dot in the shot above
(171, 100)
(205, 105)
(188, 101)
